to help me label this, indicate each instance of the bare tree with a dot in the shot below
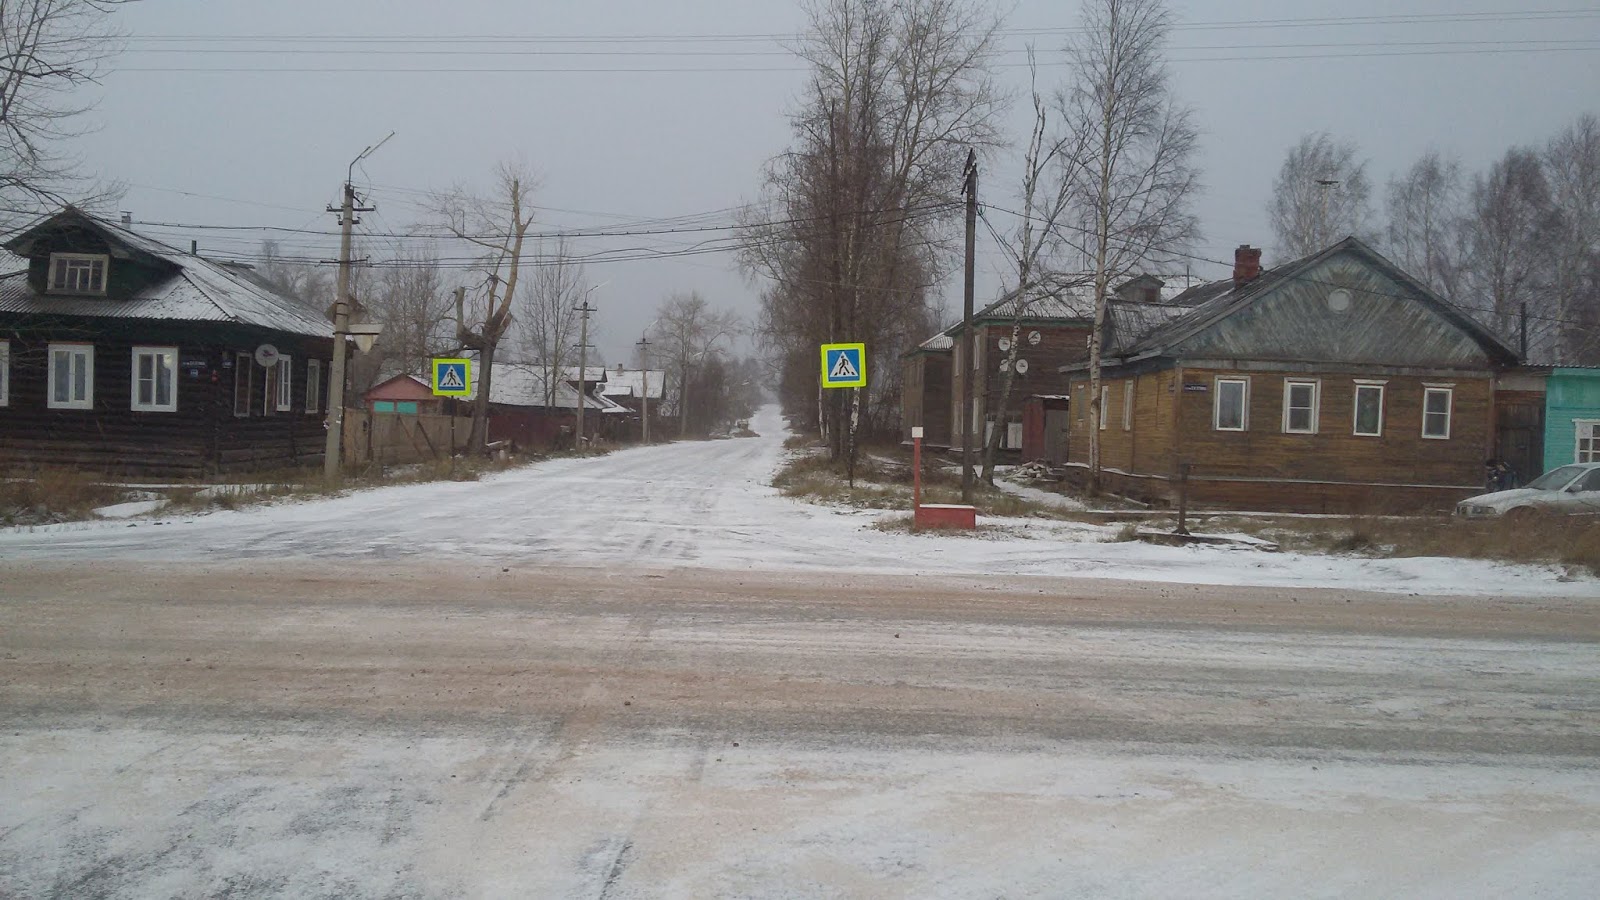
(1507, 237)
(1038, 241)
(548, 313)
(497, 226)
(687, 334)
(1572, 165)
(1131, 184)
(857, 209)
(1424, 209)
(1320, 196)
(49, 50)
(412, 301)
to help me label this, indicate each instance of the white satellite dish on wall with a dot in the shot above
(267, 356)
(1034, 338)
(1005, 343)
(1022, 367)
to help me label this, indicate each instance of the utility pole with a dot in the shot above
(333, 451)
(1323, 237)
(968, 339)
(583, 365)
(644, 377)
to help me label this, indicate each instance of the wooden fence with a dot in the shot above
(392, 439)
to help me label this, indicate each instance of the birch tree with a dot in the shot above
(49, 51)
(548, 313)
(496, 226)
(1507, 237)
(1320, 196)
(1131, 183)
(1572, 165)
(687, 333)
(858, 208)
(1423, 208)
(1038, 242)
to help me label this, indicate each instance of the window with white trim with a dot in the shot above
(1301, 402)
(1105, 405)
(1368, 412)
(71, 376)
(1586, 448)
(1127, 405)
(244, 383)
(1231, 409)
(277, 396)
(5, 373)
(313, 385)
(1437, 403)
(78, 273)
(155, 379)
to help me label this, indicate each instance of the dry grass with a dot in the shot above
(1572, 542)
(45, 496)
(905, 524)
(886, 484)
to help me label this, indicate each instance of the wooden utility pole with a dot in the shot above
(969, 341)
(583, 365)
(644, 393)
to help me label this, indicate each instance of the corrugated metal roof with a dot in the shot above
(517, 384)
(198, 291)
(630, 383)
(938, 342)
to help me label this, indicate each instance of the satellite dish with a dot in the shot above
(1005, 364)
(1033, 338)
(1022, 367)
(267, 356)
(1005, 343)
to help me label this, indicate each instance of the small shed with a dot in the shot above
(404, 395)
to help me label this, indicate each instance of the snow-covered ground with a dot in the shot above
(710, 504)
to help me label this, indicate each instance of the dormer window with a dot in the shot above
(78, 273)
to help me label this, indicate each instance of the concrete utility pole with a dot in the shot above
(333, 452)
(644, 377)
(969, 341)
(583, 365)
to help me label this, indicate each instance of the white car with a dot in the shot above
(1566, 491)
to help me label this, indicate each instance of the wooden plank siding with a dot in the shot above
(201, 437)
(1266, 468)
(1060, 344)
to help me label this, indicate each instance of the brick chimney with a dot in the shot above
(1246, 265)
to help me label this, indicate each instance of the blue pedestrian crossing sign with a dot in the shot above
(844, 365)
(452, 377)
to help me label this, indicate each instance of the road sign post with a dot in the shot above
(845, 366)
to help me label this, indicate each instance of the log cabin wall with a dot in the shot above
(203, 436)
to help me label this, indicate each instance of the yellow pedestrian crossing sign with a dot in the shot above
(844, 365)
(452, 377)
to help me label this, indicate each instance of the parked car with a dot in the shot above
(1566, 491)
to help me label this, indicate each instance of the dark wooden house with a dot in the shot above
(925, 391)
(122, 355)
(1334, 383)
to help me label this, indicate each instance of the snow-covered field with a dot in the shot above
(710, 505)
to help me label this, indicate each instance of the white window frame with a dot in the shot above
(1127, 405)
(171, 353)
(5, 373)
(313, 386)
(243, 369)
(1449, 410)
(1244, 404)
(284, 401)
(1355, 407)
(1105, 404)
(59, 261)
(76, 349)
(1289, 384)
(1579, 426)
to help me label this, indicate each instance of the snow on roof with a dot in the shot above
(591, 374)
(939, 341)
(517, 384)
(198, 291)
(630, 383)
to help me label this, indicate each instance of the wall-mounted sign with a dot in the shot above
(1196, 387)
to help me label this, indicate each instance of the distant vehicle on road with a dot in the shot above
(1566, 491)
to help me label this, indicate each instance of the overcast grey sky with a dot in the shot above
(623, 146)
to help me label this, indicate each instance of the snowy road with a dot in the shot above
(426, 730)
(710, 505)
